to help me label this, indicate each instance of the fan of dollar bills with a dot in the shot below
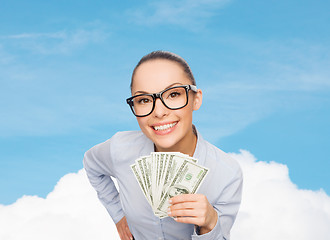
(163, 175)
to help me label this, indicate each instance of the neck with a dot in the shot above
(187, 146)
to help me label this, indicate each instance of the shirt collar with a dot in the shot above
(198, 154)
(200, 149)
(148, 147)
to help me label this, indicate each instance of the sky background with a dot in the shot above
(65, 70)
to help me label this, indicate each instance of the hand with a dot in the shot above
(193, 209)
(123, 230)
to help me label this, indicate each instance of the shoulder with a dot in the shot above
(127, 137)
(224, 175)
(221, 160)
(118, 147)
(120, 139)
(224, 157)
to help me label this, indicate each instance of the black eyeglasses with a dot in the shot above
(173, 98)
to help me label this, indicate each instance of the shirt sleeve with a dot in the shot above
(97, 163)
(226, 207)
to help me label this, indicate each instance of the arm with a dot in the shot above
(95, 163)
(213, 222)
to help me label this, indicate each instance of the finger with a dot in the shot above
(124, 233)
(126, 237)
(184, 213)
(195, 210)
(121, 235)
(200, 203)
(182, 198)
(189, 220)
(127, 233)
(186, 198)
(184, 205)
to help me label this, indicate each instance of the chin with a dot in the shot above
(167, 142)
(166, 145)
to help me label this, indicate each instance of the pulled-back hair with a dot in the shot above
(166, 56)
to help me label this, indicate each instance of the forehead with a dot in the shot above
(156, 75)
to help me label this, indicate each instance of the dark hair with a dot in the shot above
(167, 56)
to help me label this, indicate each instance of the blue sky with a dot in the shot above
(65, 68)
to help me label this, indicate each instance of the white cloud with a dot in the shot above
(185, 13)
(71, 211)
(272, 208)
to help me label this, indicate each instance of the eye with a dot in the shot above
(174, 94)
(142, 101)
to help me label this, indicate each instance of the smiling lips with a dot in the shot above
(164, 127)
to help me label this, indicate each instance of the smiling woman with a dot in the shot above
(164, 97)
(170, 130)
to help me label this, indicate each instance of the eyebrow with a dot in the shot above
(143, 92)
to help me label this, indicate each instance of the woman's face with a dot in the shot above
(170, 130)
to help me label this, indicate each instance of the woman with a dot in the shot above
(166, 126)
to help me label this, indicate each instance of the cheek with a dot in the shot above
(143, 123)
(187, 111)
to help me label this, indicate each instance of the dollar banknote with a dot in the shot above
(162, 175)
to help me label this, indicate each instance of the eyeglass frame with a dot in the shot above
(154, 96)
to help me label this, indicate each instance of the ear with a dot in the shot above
(198, 100)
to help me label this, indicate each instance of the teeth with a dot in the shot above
(164, 127)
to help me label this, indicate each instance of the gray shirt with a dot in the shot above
(222, 187)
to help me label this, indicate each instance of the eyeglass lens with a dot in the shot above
(173, 98)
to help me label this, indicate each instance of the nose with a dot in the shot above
(160, 109)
